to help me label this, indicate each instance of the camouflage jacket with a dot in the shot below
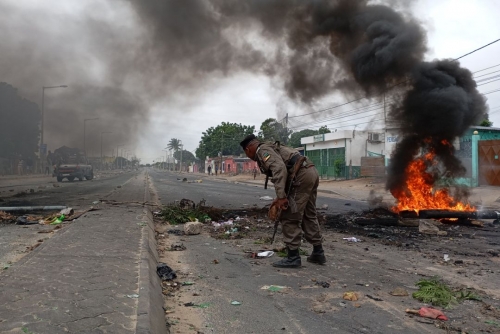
(273, 160)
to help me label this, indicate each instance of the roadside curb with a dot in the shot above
(150, 314)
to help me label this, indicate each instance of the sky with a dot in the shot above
(89, 44)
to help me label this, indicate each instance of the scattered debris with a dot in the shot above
(133, 296)
(177, 247)
(375, 298)
(58, 220)
(265, 254)
(446, 257)
(266, 198)
(165, 272)
(6, 216)
(323, 284)
(187, 283)
(323, 207)
(235, 302)
(67, 211)
(179, 215)
(435, 292)
(191, 304)
(192, 228)
(273, 288)
(24, 220)
(399, 292)
(427, 227)
(175, 232)
(215, 261)
(428, 312)
(350, 295)
(352, 239)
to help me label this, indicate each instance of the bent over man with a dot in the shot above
(298, 207)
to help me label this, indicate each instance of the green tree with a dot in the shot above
(272, 130)
(296, 136)
(224, 138)
(187, 157)
(486, 122)
(19, 124)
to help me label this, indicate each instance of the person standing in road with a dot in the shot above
(216, 169)
(20, 167)
(209, 169)
(254, 172)
(298, 215)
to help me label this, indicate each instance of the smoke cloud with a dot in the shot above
(122, 58)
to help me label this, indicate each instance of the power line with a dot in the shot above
(362, 98)
(482, 47)
(484, 69)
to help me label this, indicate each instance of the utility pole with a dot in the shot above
(43, 151)
(182, 147)
(103, 132)
(84, 136)
(286, 129)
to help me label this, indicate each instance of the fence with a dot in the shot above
(330, 164)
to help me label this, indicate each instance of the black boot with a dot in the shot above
(317, 255)
(291, 261)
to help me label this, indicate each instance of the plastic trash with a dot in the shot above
(135, 295)
(428, 312)
(446, 257)
(273, 288)
(165, 272)
(23, 220)
(352, 239)
(58, 220)
(266, 198)
(265, 254)
(235, 302)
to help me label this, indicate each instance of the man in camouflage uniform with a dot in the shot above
(298, 213)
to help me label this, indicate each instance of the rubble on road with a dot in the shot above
(165, 272)
(192, 228)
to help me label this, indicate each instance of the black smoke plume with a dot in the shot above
(125, 57)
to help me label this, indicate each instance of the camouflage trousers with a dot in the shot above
(300, 217)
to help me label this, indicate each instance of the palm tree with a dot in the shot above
(174, 144)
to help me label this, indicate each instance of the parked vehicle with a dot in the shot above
(71, 164)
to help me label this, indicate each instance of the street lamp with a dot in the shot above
(181, 146)
(84, 137)
(166, 151)
(117, 155)
(42, 128)
(103, 132)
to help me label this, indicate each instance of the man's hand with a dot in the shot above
(281, 203)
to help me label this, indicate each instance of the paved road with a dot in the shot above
(302, 308)
(96, 274)
(223, 194)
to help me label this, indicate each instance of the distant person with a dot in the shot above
(20, 167)
(209, 169)
(254, 172)
(29, 165)
(216, 170)
(49, 163)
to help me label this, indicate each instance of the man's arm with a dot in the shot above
(273, 162)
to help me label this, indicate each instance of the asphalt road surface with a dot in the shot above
(387, 258)
(228, 195)
(222, 272)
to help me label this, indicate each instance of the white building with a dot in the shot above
(339, 154)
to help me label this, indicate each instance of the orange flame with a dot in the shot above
(419, 193)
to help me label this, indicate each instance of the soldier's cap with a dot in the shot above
(247, 140)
